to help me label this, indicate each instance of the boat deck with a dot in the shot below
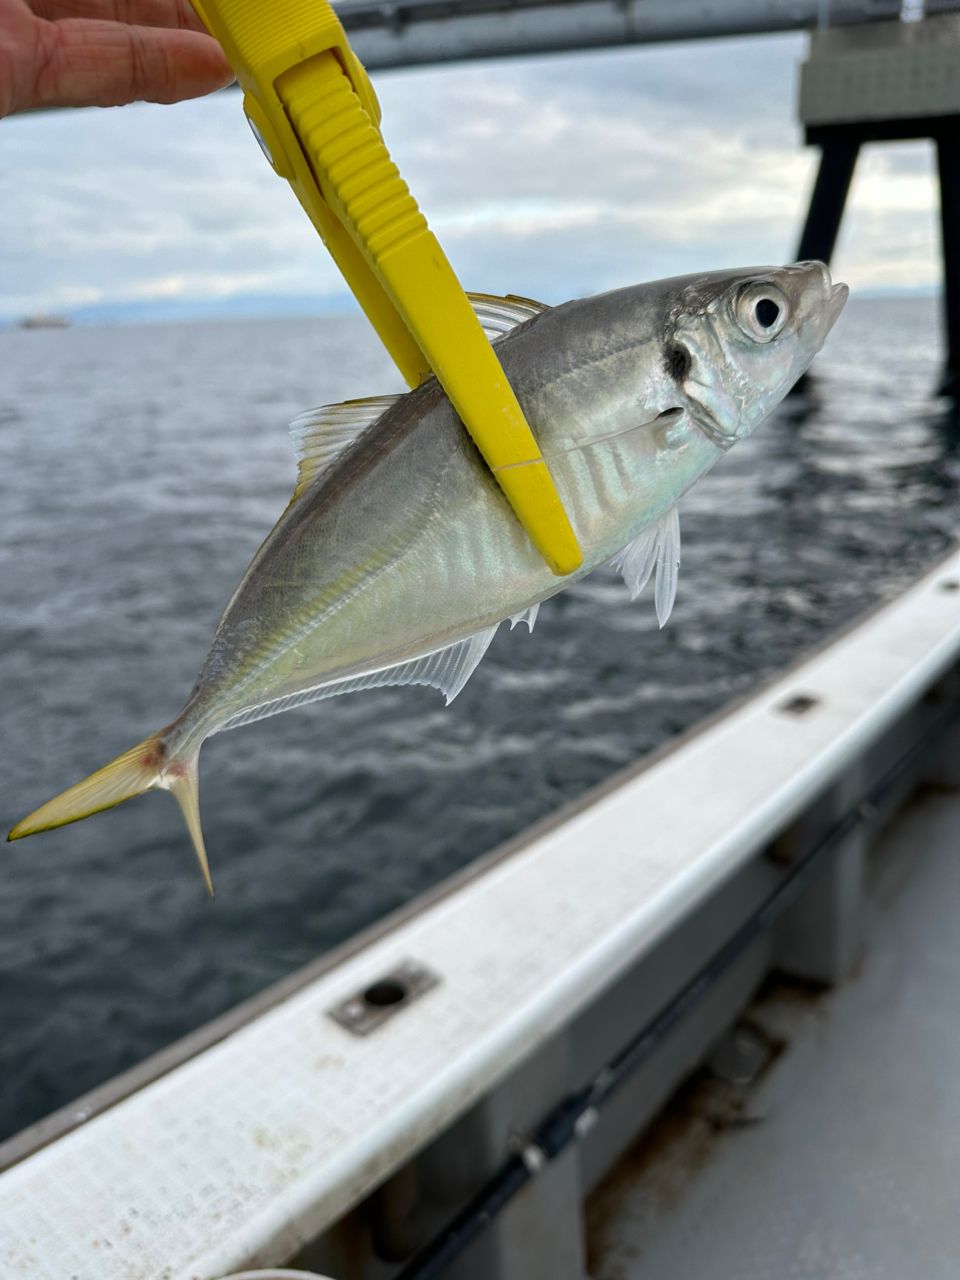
(840, 1157)
(822, 1143)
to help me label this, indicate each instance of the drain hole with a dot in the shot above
(390, 995)
(800, 704)
(381, 995)
(951, 584)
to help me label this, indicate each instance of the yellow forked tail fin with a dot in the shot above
(145, 767)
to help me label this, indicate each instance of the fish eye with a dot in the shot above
(766, 312)
(761, 311)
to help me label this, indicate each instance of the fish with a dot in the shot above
(398, 557)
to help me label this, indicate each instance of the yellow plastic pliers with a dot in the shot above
(313, 109)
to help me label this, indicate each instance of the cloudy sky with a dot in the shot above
(550, 177)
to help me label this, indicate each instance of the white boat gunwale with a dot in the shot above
(925, 622)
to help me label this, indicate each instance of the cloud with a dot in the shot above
(891, 237)
(550, 176)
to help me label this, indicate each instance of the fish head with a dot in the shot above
(737, 341)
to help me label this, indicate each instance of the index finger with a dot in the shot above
(105, 64)
(176, 14)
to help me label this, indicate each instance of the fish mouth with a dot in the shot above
(833, 296)
(839, 293)
(708, 424)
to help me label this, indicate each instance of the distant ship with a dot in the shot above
(42, 321)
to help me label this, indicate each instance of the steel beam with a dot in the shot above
(398, 33)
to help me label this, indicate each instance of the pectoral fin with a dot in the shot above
(656, 548)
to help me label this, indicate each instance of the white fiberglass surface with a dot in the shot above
(230, 1160)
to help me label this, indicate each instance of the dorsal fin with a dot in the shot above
(499, 315)
(321, 435)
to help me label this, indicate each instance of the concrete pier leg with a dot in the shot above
(838, 158)
(948, 161)
(837, 161)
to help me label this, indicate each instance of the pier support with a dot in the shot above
(948, 163)
(840, 145)
(886, 82)
(837, 161)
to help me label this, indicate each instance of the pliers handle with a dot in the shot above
(314, 111)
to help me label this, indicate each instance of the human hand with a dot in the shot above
(84, 53)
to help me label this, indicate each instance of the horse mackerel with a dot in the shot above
(398, 556)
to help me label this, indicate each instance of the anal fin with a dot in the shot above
(528, 615)
(446, 669)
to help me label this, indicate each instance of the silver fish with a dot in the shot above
(398, 556)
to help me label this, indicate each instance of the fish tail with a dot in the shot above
(184, 782)
(146, 767)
